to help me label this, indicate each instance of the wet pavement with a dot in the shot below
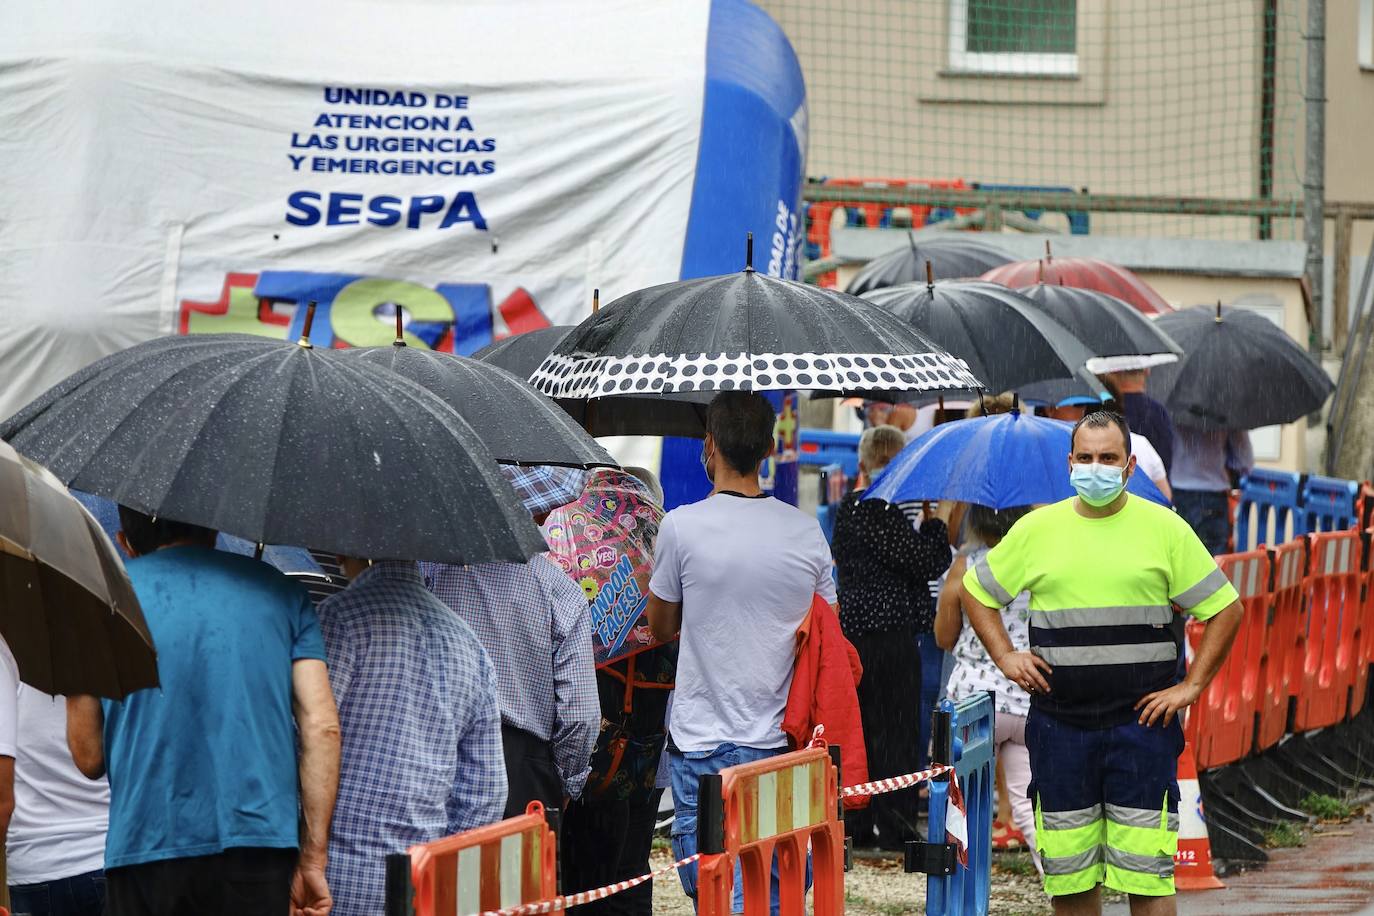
(1333, 873)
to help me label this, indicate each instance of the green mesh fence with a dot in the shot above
(1165, 99)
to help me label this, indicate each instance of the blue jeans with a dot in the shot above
(686, 769)
(81, 895)
(1208, 512)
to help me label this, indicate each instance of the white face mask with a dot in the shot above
(1098, 484)
(706, 462)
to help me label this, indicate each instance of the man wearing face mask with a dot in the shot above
(1103, 569)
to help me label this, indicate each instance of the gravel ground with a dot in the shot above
(879, 887)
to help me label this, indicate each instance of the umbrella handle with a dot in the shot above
(304, 342)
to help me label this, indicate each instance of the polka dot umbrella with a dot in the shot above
(745, 332)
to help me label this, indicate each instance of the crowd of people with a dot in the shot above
(290, 748)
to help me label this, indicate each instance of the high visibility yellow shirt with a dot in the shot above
(1101, 594)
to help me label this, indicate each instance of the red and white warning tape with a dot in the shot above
(568, 901)
(581, 897)
(878, 787)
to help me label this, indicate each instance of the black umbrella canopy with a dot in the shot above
(516, 423)
(279, 443)
(1005, 339)
(1238, 371)
(745, 332)
(1116, 333)
(952, 257)
(651, 415)
(521, 354)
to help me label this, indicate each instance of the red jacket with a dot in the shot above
(824, 692)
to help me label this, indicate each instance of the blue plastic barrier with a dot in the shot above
(824, 446)
(1272, 494)
(967, 742)
(834, 484)
(1328, 504)
(1078, 219)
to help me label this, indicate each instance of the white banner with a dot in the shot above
(167, 168)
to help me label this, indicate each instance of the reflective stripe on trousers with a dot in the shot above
(1128, 849)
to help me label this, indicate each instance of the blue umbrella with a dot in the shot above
(1010, 459)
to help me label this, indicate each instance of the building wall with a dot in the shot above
(883, 102)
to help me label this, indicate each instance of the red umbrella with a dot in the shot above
(1084, 273)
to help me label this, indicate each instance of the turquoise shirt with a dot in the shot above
(207, 761)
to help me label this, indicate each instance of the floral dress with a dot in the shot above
(974, 671)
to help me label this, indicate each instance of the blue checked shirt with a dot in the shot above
(536, 626)
(421, 728)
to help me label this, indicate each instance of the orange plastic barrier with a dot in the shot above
(501, 865)
(1221, 725)
(1280, 665)
(1365, 625)
(1330, 649)
(777, 806)
(820, 213)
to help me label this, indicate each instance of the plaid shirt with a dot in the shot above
(421, 728)
(545, 487)
(535, 625)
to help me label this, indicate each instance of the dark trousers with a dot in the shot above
(1208, 512)
(79, 895)
(531, 774)
(890, 707)
(231, 883)
(608, 841)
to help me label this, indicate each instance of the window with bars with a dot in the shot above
(1014, 37)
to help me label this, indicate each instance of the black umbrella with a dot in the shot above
(952, 257)
(679, 415)
(1116, 333)
(516, 423)
(1006, 340)
(745, 332)
(1239, 370)
(279, 443)
(521, 354)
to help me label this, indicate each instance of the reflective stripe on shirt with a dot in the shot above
(1127, 654)
(990, 583)
(1142, 615)
(1211, 583)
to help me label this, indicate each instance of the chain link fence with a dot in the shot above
(1165, 100)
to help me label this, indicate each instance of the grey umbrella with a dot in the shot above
(1118, 335)
(279, 443)
(953, 256)
(1239, 371)
(1005, 339)
(681, 415)
(516, 423)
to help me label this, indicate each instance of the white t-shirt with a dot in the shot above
(9, 704)
(1146, 458)
(745, 571)
(60, 816)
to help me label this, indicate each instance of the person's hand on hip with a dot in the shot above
(1165, 704)
(1024, 669)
